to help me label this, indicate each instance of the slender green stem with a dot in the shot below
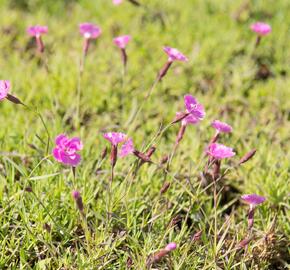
(80, 74)
(142, 105)
(46, 130)
(215, 220)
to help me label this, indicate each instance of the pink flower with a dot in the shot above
(171, 246)
(253, 199)
(189, 119)
(221, 126)
(4, 88)
(37, 30)
(115, 137)
(195, 109)
(262, 29)
(89, 30)
(65, 150)
(174, 55)
(122, 41)
(127, 148)
(219, 151)
(117, 2)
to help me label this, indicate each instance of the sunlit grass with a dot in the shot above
(43, 229)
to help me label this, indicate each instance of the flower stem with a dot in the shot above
(81, 70)
(251, 219)
(215, 218)
(46, 130)
(258, 41)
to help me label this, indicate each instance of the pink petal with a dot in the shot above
(72, 160)
(89, 30)
(56, 153)
(174, 54)
(261, 28)
(115, 137)
(220, 151)
(192, 106)
(127, 148)
(37, 30)
(190, 119)
(221, 126)
(122, 41)
(75, 143)
(61, 140)
(117, 2)
(4, 88)
(253, 199)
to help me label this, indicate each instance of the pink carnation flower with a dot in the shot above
(4, 88)
(195, 109)
(174, 54)
(127, 148)
(122, 41)
(37, 30)
(117, 2)
(89, 30)
(190, 119)
(262, 29)
(219, 151)
(253, 199)
(221, 126)
(171, 246)
(65, 150)
(115, 137)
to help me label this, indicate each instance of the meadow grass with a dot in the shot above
(247, 87)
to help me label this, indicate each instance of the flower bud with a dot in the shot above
(78, 199)
(247, 156)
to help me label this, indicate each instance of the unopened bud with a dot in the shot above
(14, 99)
(141, 156)
(244, 243)
(247, 156)
(150, 151)
(196, 236)
(134, 2)
(78, 199)
(164, 159)
(165, 187)
(28, 189)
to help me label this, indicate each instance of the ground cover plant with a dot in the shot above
(119, 151)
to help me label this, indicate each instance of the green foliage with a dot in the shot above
(243, 86)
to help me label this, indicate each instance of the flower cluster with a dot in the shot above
(66, 150)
